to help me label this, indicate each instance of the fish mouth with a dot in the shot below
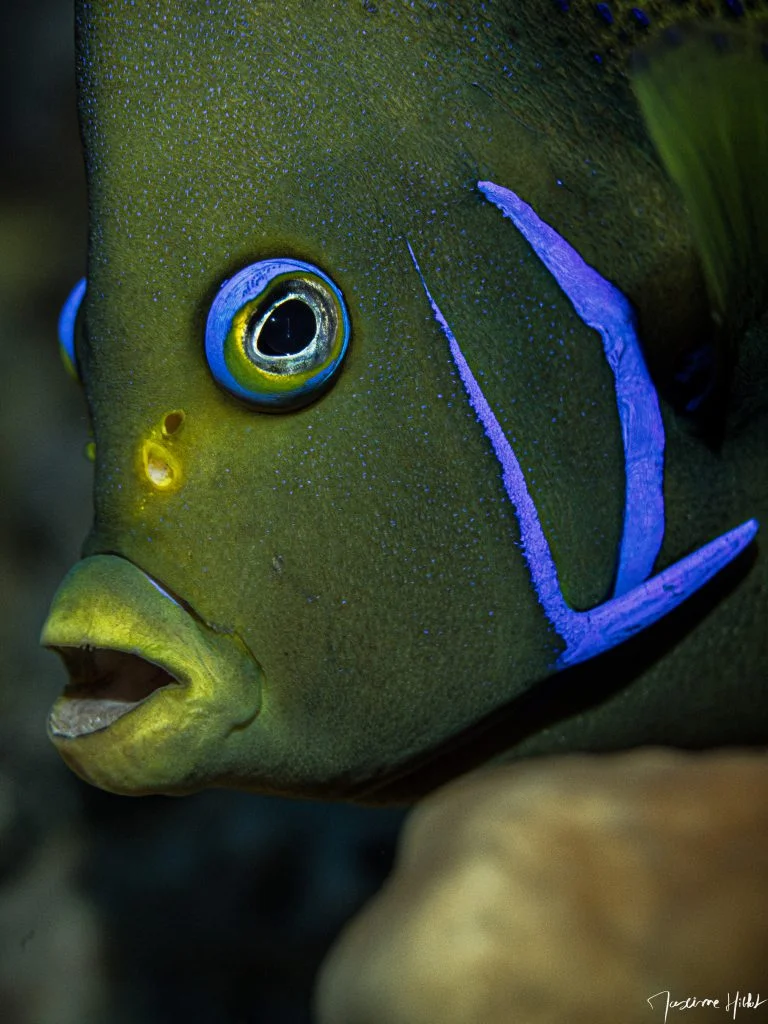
(104, 685)
(157, 700)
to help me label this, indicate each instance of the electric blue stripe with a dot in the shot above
(602, 306)
(642, 602)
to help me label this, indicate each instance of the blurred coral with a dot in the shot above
(571, 889)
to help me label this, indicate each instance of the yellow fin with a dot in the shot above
(703, 91)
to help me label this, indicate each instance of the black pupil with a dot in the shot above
(287, 330)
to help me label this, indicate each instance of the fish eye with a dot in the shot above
(276, 334)
(68, 328)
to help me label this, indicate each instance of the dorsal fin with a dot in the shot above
(703, 91)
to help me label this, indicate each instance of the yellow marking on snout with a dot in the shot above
(160, 468)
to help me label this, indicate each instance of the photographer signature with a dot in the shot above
(731, 1005)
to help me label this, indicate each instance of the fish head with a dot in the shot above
(295, 583)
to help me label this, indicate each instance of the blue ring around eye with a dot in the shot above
(67, 322)
(224, 329)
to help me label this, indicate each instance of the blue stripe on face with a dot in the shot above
(67, 323)
(604, 308)
(638, 602)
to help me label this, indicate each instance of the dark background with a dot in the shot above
(216, 908)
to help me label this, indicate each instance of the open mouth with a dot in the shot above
(156, 701)
(104, 685)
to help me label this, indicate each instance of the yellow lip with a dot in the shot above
(157, 701)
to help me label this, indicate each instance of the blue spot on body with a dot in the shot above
(641, 17)
(604, 11)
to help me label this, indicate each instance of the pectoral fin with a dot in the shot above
(703, 91)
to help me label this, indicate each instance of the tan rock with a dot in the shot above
(574, 889)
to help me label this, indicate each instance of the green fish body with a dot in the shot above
(321, 581)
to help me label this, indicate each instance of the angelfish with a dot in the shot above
(425, 397)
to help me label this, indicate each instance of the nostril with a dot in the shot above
(173, 422)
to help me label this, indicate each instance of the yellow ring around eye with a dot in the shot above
(279, 383)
